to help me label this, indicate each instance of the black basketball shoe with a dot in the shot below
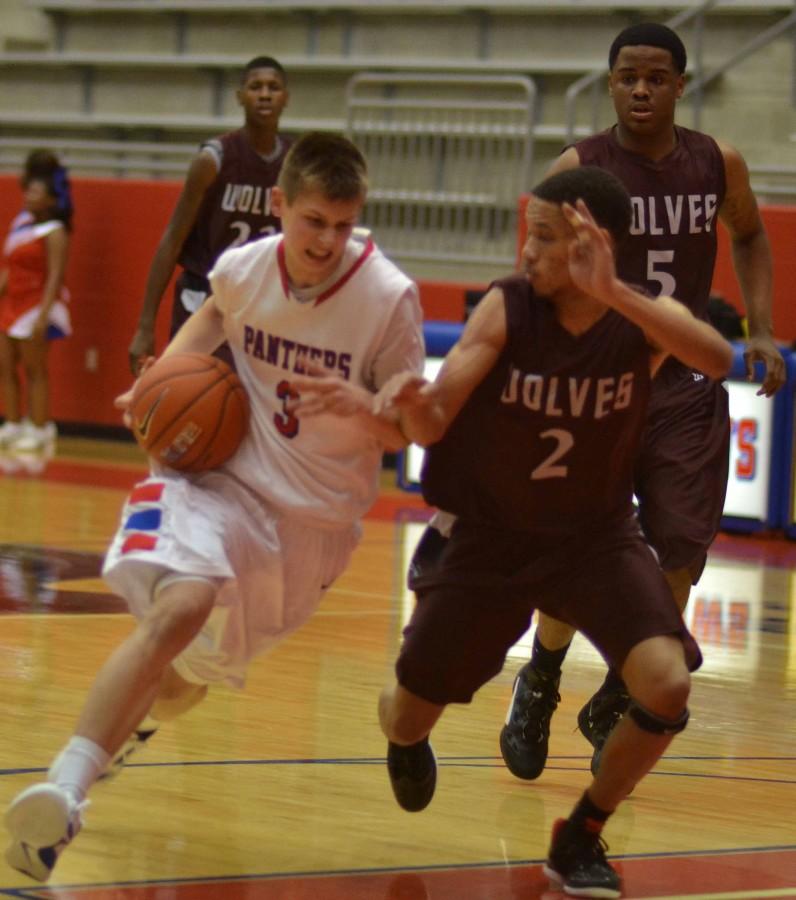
(576, 861)
(413, 774)
(599, 717)
(526, 734)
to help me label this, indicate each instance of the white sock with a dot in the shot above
(78, 766)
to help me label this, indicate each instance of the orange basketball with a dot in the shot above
(189, 411)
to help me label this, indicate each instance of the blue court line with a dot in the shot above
(471, 761)
(461, 761)
(380, 870)
(743, 778)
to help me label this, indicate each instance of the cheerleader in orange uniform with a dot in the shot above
(33, 299)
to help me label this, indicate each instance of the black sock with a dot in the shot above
(547, 662)
(613, 683)
(586, 816)
(411, 749)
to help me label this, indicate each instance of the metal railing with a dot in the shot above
(445, 168)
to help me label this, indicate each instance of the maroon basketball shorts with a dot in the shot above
(681, 473)
(481, 595)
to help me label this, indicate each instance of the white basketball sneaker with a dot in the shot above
(42, 821)
(10, 432)
(35, 437)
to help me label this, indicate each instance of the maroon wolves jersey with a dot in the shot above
(546, 443)
(236, 207)
(671, 248)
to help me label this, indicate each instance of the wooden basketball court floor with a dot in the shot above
(281, 793)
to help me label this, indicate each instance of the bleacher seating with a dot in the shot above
(129, 87)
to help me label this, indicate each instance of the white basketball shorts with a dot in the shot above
(271, 571)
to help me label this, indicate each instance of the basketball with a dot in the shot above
(189, 411)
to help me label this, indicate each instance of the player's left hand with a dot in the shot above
(765, 351)
(320, 392)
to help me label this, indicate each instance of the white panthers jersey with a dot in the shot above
(365, 326)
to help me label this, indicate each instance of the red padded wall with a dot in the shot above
(117, 226)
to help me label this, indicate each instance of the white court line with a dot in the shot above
(4, 617)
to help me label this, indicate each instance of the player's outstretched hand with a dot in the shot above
(765, 351)
(320, 392)
(591, 255)
(404, 391)
(124, 400)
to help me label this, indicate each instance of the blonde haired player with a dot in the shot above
(219, 567)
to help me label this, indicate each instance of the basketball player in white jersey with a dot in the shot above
(220, 566)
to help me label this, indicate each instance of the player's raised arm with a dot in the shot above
(670, 327)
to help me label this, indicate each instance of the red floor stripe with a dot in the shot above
(391, 505)
(683, 877)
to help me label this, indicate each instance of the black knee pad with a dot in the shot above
(654, 724)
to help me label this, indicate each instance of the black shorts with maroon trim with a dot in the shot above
(681, 473)
(479, 599)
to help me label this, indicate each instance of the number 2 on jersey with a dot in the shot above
(548, 467)
(244, 231)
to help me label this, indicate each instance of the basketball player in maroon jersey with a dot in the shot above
(681, 182)
(533, 427)
(225, 202)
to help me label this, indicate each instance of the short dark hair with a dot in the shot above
(41, 163)
(650, 34)
(603, 193)
(324, 162)
(262, 62)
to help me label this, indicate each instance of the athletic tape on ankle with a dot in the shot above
(654, 724)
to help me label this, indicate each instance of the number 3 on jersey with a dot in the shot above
(286, 423)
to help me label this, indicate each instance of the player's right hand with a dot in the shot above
(141, 348)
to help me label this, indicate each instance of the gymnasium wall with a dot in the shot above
(117, 227)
